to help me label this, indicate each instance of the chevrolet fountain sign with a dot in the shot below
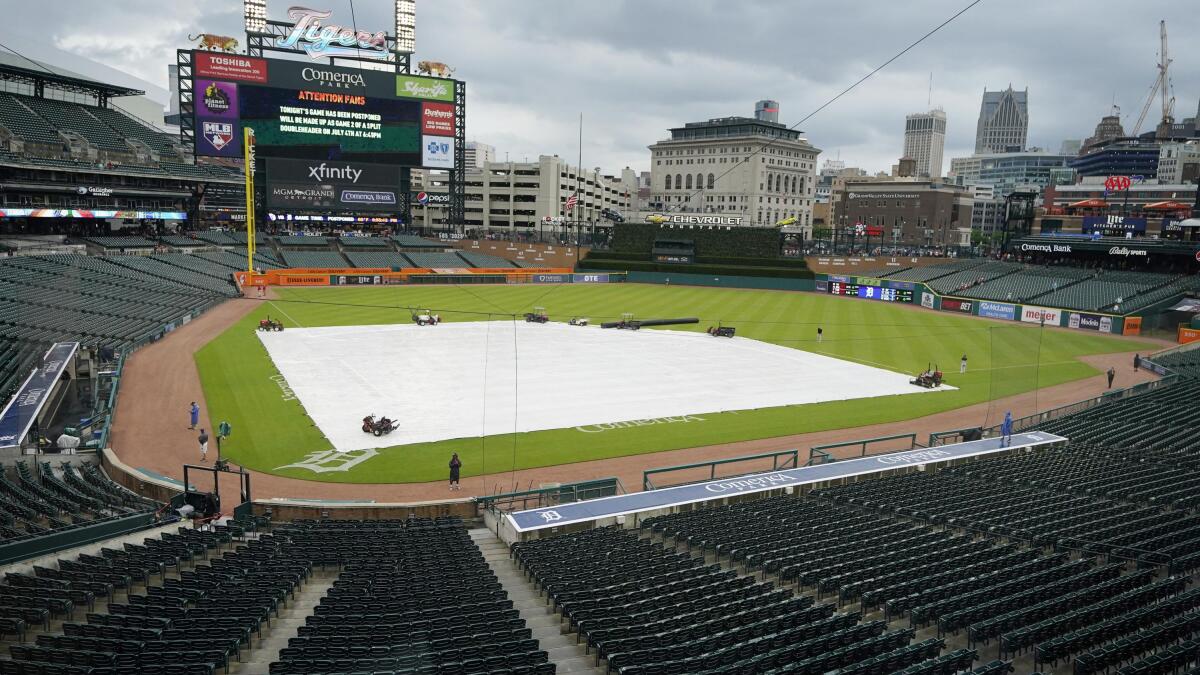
(692, 219)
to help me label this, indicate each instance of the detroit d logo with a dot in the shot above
(219, 134)
(324, 461)
(551, 516)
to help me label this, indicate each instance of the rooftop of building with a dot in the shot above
(732, 127)
(13, 67)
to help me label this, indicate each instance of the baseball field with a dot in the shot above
(275, 433)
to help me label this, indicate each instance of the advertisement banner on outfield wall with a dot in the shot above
(1089, 322)
(355, 280)
(902, 285)
(956, 305)
(1030, 314)
(1187, 335)
(997, 310)
(927, 300)
(1133, 325)
(822, 286)
(589, 278)
(551, 278)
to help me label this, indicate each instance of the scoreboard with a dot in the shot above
(869, 292)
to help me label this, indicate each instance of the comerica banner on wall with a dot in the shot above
(310, 110)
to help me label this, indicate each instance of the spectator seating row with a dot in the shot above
(650, 609)
(959, 283)
(197, 620)
(411, 595)
(363, 242)
(1163, 422)
(325, 259)
(928, 273)
(1105, 290)
(1027, 284)
(35, 503)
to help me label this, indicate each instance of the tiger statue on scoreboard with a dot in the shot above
(215, 43)
(434, 69)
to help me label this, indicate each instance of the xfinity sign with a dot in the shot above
(323, 172)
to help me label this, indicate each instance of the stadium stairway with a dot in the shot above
(286, 626)
(564, 652)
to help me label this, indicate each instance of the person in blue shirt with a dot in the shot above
(195, 410)
(1006, 430)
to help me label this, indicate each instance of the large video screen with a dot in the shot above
(310, 111)
(327, 186)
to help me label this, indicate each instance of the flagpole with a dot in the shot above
(578, 177)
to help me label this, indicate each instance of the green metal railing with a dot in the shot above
(112, 400)
(819, 454)
(549, 496)
(789, 462)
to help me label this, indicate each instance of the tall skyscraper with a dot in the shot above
(924, 140)
(766, 111)
(1003, 121)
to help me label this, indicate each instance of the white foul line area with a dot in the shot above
(460, 380)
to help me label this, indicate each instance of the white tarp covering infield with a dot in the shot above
(460, 380)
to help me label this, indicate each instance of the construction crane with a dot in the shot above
(1162, 83)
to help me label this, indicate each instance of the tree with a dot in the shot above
(819, 233)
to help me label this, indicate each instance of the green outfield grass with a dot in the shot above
(271, 432)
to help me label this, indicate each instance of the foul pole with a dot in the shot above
(248, 151)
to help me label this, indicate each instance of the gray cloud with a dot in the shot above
(635, 68)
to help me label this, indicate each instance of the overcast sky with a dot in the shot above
(635, 68)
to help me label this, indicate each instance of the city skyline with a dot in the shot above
(531, 68)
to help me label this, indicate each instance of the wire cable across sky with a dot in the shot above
(830, 102)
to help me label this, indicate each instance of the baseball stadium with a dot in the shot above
(273, 400)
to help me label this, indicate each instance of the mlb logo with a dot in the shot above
(219, 134)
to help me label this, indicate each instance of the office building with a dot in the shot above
(1179, 162)
(1008, 171)
(1003, 121)
(478, 155)
(1119, 157)
(910, 211)
(924, 139)
(1109, 128)
(735, 165)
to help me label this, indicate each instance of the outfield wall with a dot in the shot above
(916, 293)
(723, 281)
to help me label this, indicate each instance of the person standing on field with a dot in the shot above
(1111, 374)
(195, 411)
(962, 365)
(455, 468)
(1137, 362)
(820, 334)
(203, 445)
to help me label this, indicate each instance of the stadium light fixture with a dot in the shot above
(406, 26)
(255, 14)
